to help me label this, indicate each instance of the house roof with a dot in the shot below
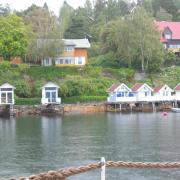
(50, 84)
(136, 87)
(113, 87)
(177, 88)
(78, 43)
(174, 27)
(158, 88)
(116, 86)
(7, 85)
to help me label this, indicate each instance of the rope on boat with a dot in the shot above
(64, 173)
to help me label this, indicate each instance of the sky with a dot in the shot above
(53, 5)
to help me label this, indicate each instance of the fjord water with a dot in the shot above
(29, 145)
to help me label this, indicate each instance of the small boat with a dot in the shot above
(176, 110)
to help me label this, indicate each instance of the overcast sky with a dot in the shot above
(54, 5)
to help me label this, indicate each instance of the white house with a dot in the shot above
(142, 92)
(163, 93)
(7, 94)
(120, 93)
(50, 94)
(177, 92)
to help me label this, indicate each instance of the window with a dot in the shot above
(50, 88)
(167, 36)
(79, 60)
(174, 46)
(68, 48)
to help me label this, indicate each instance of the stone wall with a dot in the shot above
(84, 108)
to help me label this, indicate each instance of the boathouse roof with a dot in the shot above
(7, 85)
(137, 87)
(50, 84)
(158, 88)
(115, 87)
(177, 88)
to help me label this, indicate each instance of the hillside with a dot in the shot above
(76, 85)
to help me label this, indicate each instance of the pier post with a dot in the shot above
(120, 107)
(103, 168)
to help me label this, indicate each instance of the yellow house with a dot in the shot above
(75, 54)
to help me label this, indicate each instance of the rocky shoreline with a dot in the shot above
(80, 108)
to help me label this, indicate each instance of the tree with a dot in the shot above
(79, 26)
(134, 40)
(14, 36)
(4, 10)
(65, 14)
(46, 34)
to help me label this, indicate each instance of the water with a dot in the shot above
(29, 145)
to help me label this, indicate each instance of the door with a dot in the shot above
(9, 97)
(51, 96)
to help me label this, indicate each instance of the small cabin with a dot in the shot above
(119, 92)
(141, 91)
(162, 91)
(7, 94)
(50, 94)
(177, 90)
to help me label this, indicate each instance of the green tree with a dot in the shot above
(65, 14)
(14, 36)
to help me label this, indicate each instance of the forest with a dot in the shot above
(123, 36)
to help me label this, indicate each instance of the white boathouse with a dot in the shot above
(7, 94)
(50, 94)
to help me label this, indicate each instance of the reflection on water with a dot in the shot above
(29, 145)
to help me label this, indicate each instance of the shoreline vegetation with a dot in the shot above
(77, 85)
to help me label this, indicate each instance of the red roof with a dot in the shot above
(173, 26)
(136, 87)
(113, 87)
(158, 88)
(177, 88)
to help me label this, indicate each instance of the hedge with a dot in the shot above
(27, 101)
(84, 99)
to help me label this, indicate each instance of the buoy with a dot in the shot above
(165, 113)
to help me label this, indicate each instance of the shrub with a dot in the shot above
(5, 65)
(22, 89)
(27, 101)
(76, 99)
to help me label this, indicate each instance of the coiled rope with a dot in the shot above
(64, 173)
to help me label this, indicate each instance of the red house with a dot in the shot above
(170, 35)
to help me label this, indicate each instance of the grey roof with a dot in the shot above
(78, 43)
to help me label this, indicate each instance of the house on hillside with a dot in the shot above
(75, 54)
(120, 93)
(50, 94)
(170, 35)
(142, 92)
(7, 94)
(163, 93)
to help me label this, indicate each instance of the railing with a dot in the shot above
(143, 99)
(64, 173)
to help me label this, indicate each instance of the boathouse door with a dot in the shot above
(6, 96)
(51, 94)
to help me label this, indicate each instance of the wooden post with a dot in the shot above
(103, 168)
(120, 108)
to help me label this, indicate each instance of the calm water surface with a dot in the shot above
(29, 145)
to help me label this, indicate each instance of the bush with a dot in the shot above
(23, 89)
(84, 99)
(27, 101)
(5, 65)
